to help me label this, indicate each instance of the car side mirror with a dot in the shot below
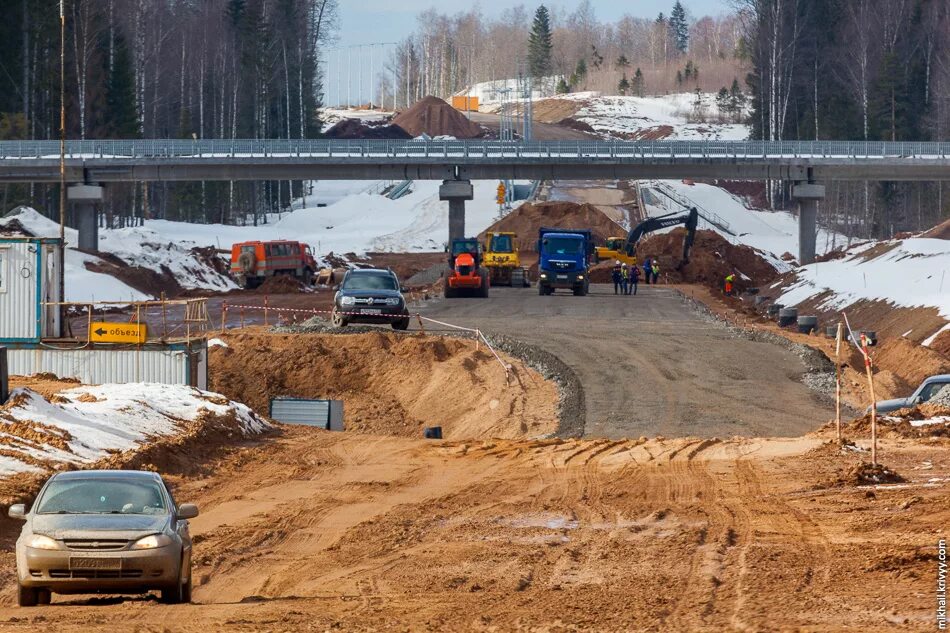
(918, 399)
(17, 511)
(187, 511)
(336, 288)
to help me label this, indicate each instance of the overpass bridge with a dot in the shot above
(90, 164)
(281, 159)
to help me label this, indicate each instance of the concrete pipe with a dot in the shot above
(774, 308)
(432, 433)
(807, 324)
(787, 316)
(831, 331)
(759, 300)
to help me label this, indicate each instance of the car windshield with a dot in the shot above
(562, 245)
(931, 390)
(102, 496)
(370, 282)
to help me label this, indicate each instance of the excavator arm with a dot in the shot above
(690, 219)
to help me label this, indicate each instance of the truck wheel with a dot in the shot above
(486, 284)
(338, 320)
(517, 278)
(401, 324)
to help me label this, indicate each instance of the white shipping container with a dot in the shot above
(172, 364)
(29, 277)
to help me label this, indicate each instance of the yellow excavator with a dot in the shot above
(614, 251)
(503, 262)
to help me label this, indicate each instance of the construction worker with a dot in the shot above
(729, 285)
(624, 278)
(655, 269)
(647, 270)
(617, 276)
(634, 279)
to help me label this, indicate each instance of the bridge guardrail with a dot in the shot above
(476, 149)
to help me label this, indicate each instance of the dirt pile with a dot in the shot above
(355, 129)
(280, 285)
(940, 232)
(528, 218)
(864, 474)
(435, 117)
(711, 259)
(390, 384)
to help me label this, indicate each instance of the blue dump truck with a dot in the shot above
(564, 256)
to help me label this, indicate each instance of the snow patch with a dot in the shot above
(99, 420)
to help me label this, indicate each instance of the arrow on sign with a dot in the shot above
(100, 332)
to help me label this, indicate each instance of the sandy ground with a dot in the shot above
(320, 531)
(391, 384)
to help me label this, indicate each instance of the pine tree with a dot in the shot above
(679, 77)
(122, 119)
(562, 87)
(638, 83)
(723, 102)
(539, 44)
(624, 85)
(622, 63)
(679, 27)
(737, 100)
(579, 74)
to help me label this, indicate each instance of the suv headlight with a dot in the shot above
(393, 301)
(347, 301)
(152, 542)
(39, 541)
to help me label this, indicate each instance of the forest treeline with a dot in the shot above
(165, 69)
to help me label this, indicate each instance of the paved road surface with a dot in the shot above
(650, 365)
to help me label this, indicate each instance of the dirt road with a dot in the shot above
(317, 531)
(650, 365)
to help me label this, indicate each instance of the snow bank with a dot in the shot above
(772, 233)
(492, 92)
(634, 115)
(85, 424)
(903, 273)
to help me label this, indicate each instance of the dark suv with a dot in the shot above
(370, 295)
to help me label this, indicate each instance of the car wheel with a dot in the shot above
(401, 324)
(44, 596)
(337, 320)
(27, 596)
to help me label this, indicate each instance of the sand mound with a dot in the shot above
(711, 259)
(528, 218)
(940, 232)
(435, 117)
(280, 285)
(354, 128)
(390, 384)
(864, 474)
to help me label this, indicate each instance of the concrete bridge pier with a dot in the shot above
(456, 192)
(84, 199)
(808, 194)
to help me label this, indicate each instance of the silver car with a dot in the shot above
(104, 531)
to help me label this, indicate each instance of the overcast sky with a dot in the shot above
(370, 21)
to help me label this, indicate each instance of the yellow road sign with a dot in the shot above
(118, 332)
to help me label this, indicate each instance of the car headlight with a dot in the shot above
(544, 275)
(152, 542)
(38, 541)
(347, 301)
(581, 277)
(393, 301)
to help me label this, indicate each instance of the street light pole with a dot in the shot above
(62, 162)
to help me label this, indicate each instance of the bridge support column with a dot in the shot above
(456, 192)
(84, 199)
(808, 195)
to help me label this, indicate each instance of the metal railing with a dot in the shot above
(475, 150)
(711, 217)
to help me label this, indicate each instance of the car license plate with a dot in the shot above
(83, 562)
(562, 276)
(372, 311)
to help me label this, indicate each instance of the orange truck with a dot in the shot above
(253, 262)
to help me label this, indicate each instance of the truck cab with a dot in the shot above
(564, 259)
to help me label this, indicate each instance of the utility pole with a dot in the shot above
(349, 76)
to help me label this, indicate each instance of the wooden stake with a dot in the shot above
(265, 311)
(224, 315)
(867, 366)
(838, 380)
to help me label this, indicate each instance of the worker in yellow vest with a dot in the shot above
(730, 284)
